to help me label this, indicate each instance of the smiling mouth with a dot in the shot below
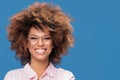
(40, 51)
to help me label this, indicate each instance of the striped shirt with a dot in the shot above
(51, 73)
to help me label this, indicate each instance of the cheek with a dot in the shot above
(50, 44)
(30, 47)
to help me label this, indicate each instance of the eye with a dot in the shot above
(47, 38)
(33, 38)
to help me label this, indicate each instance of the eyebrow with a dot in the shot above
(37, 35)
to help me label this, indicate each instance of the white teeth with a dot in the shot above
(40, 51)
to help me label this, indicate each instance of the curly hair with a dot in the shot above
(41, 16)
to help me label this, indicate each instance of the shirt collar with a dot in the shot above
(31, 73)
(50, 70)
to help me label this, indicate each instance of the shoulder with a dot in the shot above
(61, 70)
(15, 71)
(65, 74)
(12, 74)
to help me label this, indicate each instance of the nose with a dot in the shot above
(40, 42)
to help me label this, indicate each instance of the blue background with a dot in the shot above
(96, 54)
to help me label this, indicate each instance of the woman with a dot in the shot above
(40, 35)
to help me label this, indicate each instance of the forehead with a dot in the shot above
(38, 32)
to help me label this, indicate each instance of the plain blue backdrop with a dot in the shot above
(96, 54)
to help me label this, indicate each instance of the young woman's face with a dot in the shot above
(39, 44)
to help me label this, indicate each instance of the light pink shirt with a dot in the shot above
(51, 73)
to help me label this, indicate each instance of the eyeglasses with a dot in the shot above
(35, 39)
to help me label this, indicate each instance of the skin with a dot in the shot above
(40, 46)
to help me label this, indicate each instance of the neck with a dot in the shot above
(39, 67)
